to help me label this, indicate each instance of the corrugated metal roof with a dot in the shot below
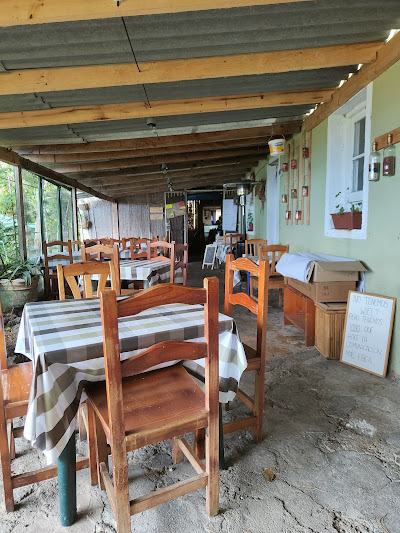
(199, 34)
(285, 81)
(185, 35)
(123, 129)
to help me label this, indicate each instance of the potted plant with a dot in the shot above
(348, 215)
(250, 221)
(19, 282)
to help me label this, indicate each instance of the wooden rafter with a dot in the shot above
(52, 159)
(117, 75)
(184, 166)
(163, 141)
(47, 11)
(387, 56)
(8, 156)
(184, 106)
(160, 159)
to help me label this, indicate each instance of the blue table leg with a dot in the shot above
(66, 466)
(248, 283)
(146, 284)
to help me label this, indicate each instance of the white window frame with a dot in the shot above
(339, 171)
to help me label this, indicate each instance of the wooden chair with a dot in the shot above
(137, 251)
(232, 239)
(15, 387)
(86, 269)
(168, 248)
(272, 254)
(101, 252)
(135, 409)
(50, 273)
(182, 259)
(91, 242)
(252, 247)
(255, 358)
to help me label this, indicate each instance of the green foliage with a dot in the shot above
(346, 205)
(250, 217)
(19, 269)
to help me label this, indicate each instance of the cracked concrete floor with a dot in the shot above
(331, 436)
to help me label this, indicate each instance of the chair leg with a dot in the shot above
(93, 467)
(121, 492)
(11, 439)
(259, 404)
(221, 441)
(212, 454)
(280, 297)
(82, 422)
(199, 443)
(6, 465)
(101, 449)
(177, 453)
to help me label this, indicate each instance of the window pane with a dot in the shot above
(66, 214)
(9, 246)
(50, 212)
(359, 137)
(30, 184)
(358, 174)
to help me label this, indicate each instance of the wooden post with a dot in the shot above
(309, 177)
(288, 182)
(115, 220)
(20, 212)
(303, 177)
(74, 214)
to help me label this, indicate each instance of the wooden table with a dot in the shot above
(299, 310)
(64, 341)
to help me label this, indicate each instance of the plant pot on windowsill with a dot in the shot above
(250, 226)
(347, 220)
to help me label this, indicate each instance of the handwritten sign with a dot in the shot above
(368, 331)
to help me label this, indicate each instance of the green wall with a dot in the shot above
(380, 251)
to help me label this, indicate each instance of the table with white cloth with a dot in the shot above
(76, 257)
(64, 341)
(151, 272)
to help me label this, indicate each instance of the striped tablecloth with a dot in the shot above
(154, 271)
(64, 341)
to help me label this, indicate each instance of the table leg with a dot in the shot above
(146, 284)
(221, 441)
(66, 466)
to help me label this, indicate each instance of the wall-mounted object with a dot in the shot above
(298, 215)
(304, 191)
(288, 215)
(285, 167)
(306, 152)
(389, 158)
(293, 193)
(374, 163)
(347, 220)
(284, 198)
(293, 164)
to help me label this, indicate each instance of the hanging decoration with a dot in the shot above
(294, 193)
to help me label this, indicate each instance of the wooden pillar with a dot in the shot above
(20, 212)
(74, 214)
(115, 220)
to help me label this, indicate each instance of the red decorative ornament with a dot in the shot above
(306, 152)
(285, 167)
(293, 164)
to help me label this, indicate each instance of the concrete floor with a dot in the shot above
(331, 436)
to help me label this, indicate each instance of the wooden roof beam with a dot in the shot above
(387, 56)
(86, 157)
(160, 159)
(161, 108)
(127, 74)
(46, 11)
(163, 141)
(12, 158)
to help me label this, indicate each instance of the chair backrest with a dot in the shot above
(232, 239)
(3, 346)
(259, 308)
(252, 247)
(161, 352)
(86, 269)
(138, 248)
(272, 254)
(168, 248)
(182, 259)
(91, 242)
(65, 255)
(101, 252)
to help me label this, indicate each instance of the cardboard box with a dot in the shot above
(335, 271)
(329, 291)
